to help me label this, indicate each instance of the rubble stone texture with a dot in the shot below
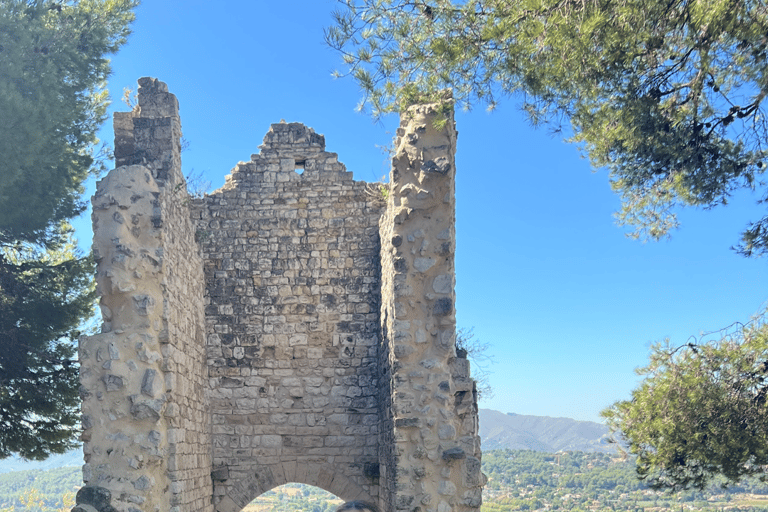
(293, 326)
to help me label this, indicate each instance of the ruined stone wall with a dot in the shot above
(293, 326)
(146, 424)
(292, 297)
(433, 416)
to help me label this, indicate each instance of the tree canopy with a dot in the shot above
(53, 67)
(667, 95)
(700, 411)
(53, 57)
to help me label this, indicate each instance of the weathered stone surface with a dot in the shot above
(148, 382)
(294, 325)
(418, 311)
(97, 497)
(150, 355)
(113, 382)
(454, 454)
(443, 307)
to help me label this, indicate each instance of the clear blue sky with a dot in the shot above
(567, 303)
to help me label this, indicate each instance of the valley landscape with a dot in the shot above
(532, 463)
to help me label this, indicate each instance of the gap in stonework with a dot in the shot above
(295, 497)
(300, 166)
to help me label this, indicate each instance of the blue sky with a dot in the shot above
(568, 305)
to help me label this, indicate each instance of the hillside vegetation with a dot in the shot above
(577, 481)
(39, 490)
(517, 480)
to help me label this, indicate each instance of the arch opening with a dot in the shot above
(295, 496)
(236, 494)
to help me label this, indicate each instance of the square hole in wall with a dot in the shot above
(300, 163)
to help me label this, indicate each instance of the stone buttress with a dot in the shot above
(146, 423)
(431, 432)
(293, 326)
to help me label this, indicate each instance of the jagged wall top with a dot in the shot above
(150, 135)
(155, 100)
(291, 153)
(292, 138)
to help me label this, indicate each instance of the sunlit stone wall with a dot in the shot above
(293, 326)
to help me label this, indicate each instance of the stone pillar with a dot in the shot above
(146, 432)
(433, 462)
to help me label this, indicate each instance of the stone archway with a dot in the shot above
(288, 327)
(322, 475)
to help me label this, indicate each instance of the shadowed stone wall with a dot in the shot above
(292, 294)
(293, 326)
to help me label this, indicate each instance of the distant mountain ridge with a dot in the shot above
(541, 433)
(497, 431)
(70, 458)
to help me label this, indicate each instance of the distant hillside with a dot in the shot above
(72, 458)
(541, 433)
(497, 431)
(520, 480)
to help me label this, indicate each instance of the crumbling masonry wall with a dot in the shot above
(293, 326)
(291, 269)
(431, 430)
(146, 425)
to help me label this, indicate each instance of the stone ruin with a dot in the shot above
(293, 326)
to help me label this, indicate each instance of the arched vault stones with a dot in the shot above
(291, 326)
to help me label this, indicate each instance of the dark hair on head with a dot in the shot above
(361, 506)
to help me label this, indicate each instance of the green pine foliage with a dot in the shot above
(44, 297)
(667, 95)
(700, 411)
(53, 67)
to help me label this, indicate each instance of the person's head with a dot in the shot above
(357, 506)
